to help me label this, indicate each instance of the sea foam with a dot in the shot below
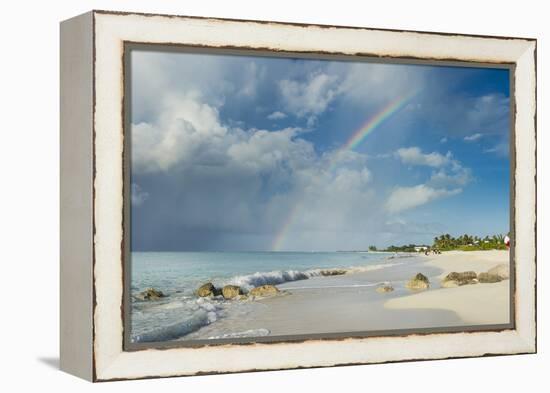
(175, 330)
(276, 277)
(195, 314)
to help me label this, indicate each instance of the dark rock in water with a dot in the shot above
(264, 290)
(384, 289)
(502, 270)
(335, 272)
(231, 291)
(208, 289)
(488, 278)
(419, 281)
(456, 279)
(150, 294)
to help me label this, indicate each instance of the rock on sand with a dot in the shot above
(264, 290)
(488, 278)
(502, 270)
(419, 281)
(455, 279)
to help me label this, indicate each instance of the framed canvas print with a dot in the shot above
(246, 195)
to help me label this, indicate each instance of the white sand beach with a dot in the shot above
(474, 304)
(350, 303)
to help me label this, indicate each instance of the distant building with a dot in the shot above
(420, 248)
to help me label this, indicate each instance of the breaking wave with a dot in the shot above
(250, 281)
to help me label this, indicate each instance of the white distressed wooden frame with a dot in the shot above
(92, 194)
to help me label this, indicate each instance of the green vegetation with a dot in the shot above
(404, 248)
(446, 243)
(469, 243)
(372, 248)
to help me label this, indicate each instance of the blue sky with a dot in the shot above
(245, 153)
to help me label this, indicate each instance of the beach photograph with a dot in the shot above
(279, 197)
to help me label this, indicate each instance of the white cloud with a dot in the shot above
(311, 97)
(347, 158)
(457, 176)
(404, 198)
(501, 149)
(265, 175)
(137, 195)
(443, 140)
(277, 115)
(268, 151)
(448, 171)
(185, 127)
(490, 112)
(378, 83)
(190, 134)
(154, 74)
(473, 137)
(448, 178)
(311, 121)
(262, 175)
(252, 76)
(414, 156)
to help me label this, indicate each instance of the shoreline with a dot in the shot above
(350, 303)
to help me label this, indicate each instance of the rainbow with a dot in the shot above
(355, 140)
(281, 234)
(373, 122)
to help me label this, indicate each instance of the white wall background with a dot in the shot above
(29, 194)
